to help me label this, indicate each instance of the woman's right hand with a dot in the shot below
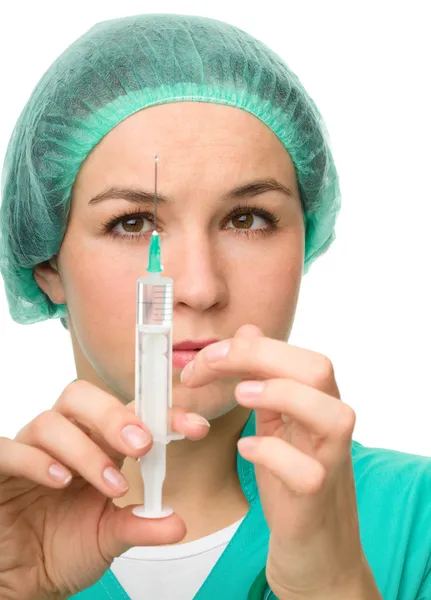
(57, 537)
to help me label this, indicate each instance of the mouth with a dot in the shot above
(185, 352)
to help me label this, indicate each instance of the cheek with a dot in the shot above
(100, 289)
(265, 289)
(100, 274)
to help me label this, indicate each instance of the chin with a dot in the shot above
(211, 401)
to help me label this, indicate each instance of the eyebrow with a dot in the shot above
(143, 197)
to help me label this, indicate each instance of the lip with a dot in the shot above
(193, 344)
(185, 352)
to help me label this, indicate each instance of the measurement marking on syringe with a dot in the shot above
(150, 303)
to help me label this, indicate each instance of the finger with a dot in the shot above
(57, 436)
(321, 413)
(301, 473)
(192, 425)
(20, 460)
(105, 418)
(115, 427)
(264, 357)
(249, 331)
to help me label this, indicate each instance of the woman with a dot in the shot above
(272, 498)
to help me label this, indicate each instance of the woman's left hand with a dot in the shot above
(303, 463)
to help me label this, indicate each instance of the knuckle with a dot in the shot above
(78, 384)
(115, 418)
(68, 394)
(323, 372)
(240, 348)
(249, 347)
(236, 346)
(315, 483)
(346, 421)
(40, 424)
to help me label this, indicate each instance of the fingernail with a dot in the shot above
(248, 444)
(135, 436)
(251, 388)
(195, 419)
(115, 479)
(187, 372)
(58, 473)
(217, 351)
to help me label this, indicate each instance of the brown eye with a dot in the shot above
(132, 225)
(246, 221)
(243, 221)
(135, 224)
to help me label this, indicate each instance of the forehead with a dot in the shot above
(191, 139)
(189, 123)
(182, 125)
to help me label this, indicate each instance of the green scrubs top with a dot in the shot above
(393, 492)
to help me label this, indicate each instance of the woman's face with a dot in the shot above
(234, 260)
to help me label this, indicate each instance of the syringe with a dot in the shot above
(153, 373)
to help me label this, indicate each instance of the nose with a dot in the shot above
(196, 266)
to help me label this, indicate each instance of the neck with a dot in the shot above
(207, 466)
(202, 484)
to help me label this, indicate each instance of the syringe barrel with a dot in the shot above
(154, 300)
(153, 383)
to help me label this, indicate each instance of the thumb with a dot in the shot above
(120, 530)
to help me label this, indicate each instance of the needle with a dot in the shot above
(156, 159)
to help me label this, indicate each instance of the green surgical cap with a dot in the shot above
(116, 69)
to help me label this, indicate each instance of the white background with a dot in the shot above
(365, 304)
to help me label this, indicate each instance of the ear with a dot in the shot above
(49, 280)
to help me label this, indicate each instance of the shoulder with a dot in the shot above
(390, 466)
(390, 482)
(393, 491)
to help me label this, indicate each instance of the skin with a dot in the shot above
(239, 288)
(204, 151)
(302, 458)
